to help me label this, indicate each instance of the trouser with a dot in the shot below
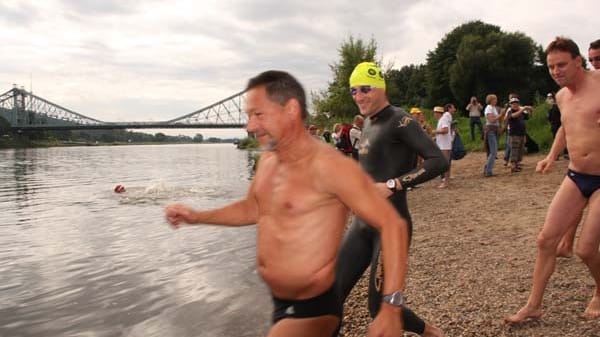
(360, 248)
(492, 142)
(507, 148)
(475, 121)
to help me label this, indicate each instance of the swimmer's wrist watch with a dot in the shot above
(391, 184)
(396, 299)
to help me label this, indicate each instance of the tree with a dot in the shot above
(496, 62)
(443, 57)
(409, 82)
(198, 138)
(336, 100)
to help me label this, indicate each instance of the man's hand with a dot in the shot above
(544, 165)
(383, 190)
(387, 323)
(178, 214)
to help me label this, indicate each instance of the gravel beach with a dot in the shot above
(472, 256)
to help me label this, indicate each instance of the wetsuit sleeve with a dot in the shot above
(434, 163)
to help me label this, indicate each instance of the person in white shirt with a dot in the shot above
(443, 138)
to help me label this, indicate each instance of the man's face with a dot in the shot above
(594, 58)
(266, 119)
(368, 99)
(562, 67)
(452, 109)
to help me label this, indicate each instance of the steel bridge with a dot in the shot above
(25, 111)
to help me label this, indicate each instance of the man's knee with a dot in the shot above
(547, 243)
(586, 252)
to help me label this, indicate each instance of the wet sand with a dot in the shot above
(472, 256)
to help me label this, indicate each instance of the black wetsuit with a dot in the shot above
(388, 148)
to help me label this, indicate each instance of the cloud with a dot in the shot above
(132, 59)
(17, 13)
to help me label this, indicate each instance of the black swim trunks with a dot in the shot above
(586, 183)
(328, 303)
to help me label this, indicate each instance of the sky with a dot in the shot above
(155, 60)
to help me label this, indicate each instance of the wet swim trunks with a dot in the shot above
(328, 303)
(587, 184)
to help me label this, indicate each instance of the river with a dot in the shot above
(78, 259)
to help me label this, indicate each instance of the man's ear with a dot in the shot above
(292, 108)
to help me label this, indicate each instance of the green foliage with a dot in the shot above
(248, 143)
(410, 86)
(497, 63)
(336, 102)
(444, 56)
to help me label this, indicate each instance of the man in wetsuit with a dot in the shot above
(301, 214)
(579, 104)
(390, 143)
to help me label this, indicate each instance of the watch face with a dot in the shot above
(391, 184)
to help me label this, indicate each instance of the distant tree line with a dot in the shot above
(105, 136)
(474, 59)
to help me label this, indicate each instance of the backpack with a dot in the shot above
(458, 148)
(345, 145)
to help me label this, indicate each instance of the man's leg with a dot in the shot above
(587, 250)
(446, 175)
(480, 127)
(412, 322)
(472, 127)
(555, 226)
(322, 326)
(565, 247)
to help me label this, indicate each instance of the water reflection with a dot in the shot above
(77, 259)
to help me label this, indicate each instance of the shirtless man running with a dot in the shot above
(579, 103)
(301, 213)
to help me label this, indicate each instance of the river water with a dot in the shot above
(77, 259)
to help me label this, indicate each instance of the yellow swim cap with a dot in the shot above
(367, 73)
(414, 111)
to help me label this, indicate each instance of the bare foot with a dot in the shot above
(431, 331)
(593, 309)
(526, 313)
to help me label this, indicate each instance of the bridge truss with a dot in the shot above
(26, 111)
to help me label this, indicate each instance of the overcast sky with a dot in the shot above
(154, 60)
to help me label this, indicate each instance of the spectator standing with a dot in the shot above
(355, 133)
(516, 121)
(474, 108)
(490, 135)
(443, 139)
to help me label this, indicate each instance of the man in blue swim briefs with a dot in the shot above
(301, 215)
(579, 104)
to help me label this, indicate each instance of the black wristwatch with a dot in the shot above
(396, 299)
(391, 184)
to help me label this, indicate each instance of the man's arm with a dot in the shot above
(240, 213)
(365, 201)
(558, 146)
(434, 163)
